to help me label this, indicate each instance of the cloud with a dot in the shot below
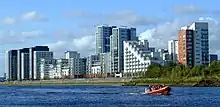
(161, 34)
(84, 44)
(9, 20)
(189, 9)
(123, 17)
(12, 37)
(34, 16)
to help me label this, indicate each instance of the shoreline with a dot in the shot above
(114, 82)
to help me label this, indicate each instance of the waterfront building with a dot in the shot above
(102, 37)
(36, 61)
(11, 65)
(173, 50)
(47, 68)
(119, 35)
(138, 56)
(62, 68)
(82, 63)
(91, 61)
(32, 66)
(193, 44)
(105, 63)
(74, 63)
(22, 63)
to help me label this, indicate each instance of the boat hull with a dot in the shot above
(162, 91)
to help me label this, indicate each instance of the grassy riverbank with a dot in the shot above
(165, 81)
(101, 81)
(193, 81)
(113, 81)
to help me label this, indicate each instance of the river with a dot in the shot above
(105, 96)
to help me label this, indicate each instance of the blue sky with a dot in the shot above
(70, 24)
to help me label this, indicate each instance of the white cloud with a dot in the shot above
(12, 37)
(33, 16)
(85, 45)
(160, 35)
(9, 20)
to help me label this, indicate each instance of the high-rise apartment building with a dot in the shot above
(91, 61)
(23, 69)
(74, 62)
(32, 74)
(103, 34)
(21, 64)
(116, 47)
(193, 44)
(173, 50)
(11, 66)
(38, 55)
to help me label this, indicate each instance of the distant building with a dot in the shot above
(193, 44)
(62, 68)
(38, 55)
(173, 50)
(74, 62)
(92, 61)
(22, 63)
(48, 68)
(102, 36)
(11, 66)
(213, 57)
(138, 56)
(82, 63)
(32, 66)
(25, 66)
(116, 47)
(105, 63)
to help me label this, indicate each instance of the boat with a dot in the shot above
(165, 90)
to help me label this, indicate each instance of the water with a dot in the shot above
(105, 96)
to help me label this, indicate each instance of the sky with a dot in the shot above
(71, 24)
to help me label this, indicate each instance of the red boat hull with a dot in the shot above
(162, 91)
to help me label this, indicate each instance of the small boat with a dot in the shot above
(165, 90)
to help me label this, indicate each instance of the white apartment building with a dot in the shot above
(74, 62)
(92, 61)
(48, 68)
(116, 47)
(105, 63)
(173, 50)
(96, 68)
(36, 62)
(137, 57)
(63, 67)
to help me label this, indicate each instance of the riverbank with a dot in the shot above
(196, 81)
(95, 81)
(193, 81)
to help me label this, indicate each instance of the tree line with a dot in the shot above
(180, 71)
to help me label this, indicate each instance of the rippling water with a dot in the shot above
(105, 96)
